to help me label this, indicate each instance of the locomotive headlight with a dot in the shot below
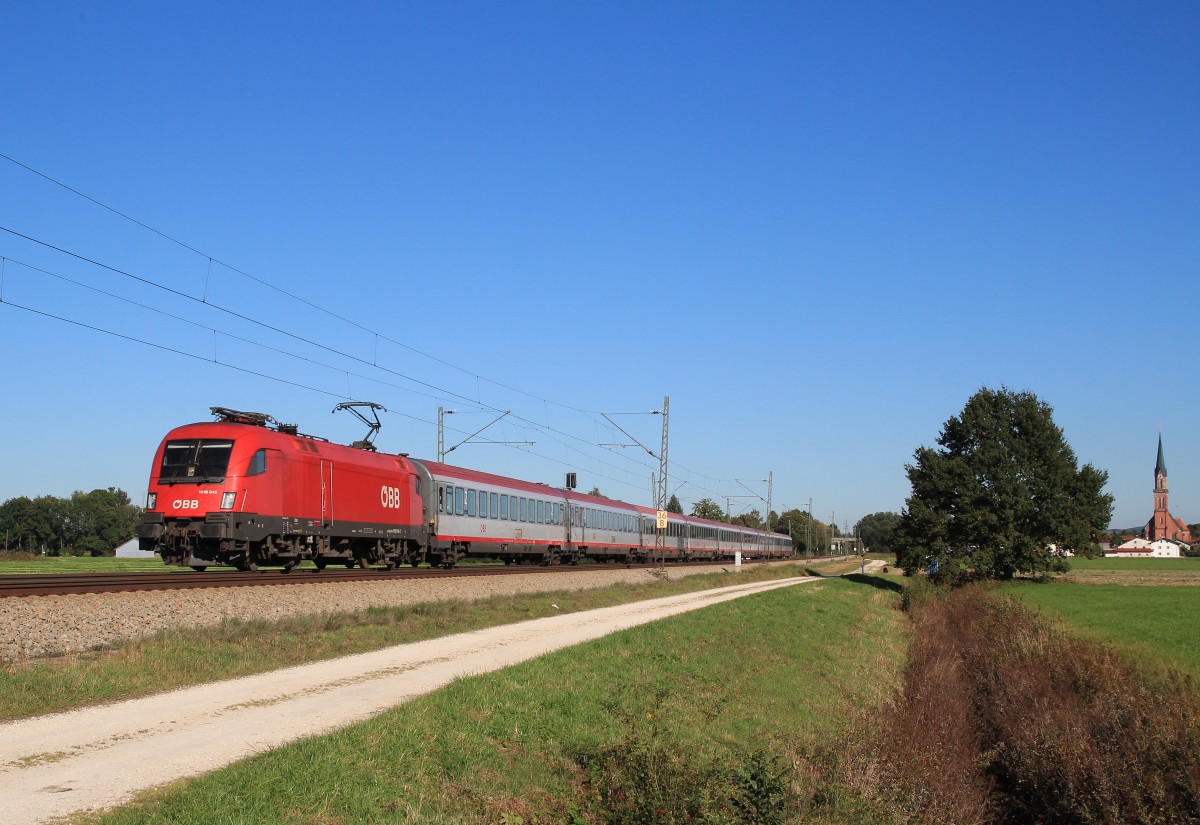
(227, 500)
(151, 500)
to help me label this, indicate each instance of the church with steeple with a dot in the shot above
(1162, 524)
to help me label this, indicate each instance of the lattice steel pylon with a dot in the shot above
(660, 539)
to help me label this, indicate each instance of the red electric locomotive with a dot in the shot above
(239, 492)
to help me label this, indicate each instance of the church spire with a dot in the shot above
(1160, 466)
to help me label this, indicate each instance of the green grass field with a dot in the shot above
(1154, 625)
(1117, 565)
(77, 564)
(767, 672)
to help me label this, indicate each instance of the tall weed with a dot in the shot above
(650, 776)
(1008, 718)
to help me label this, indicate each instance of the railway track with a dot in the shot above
(65, 584)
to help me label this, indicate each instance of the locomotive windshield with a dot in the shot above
(198, 460)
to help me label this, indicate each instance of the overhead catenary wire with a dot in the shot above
(436, 391)
(441, 392)
(254, 373)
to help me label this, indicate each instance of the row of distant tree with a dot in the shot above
(86, 524)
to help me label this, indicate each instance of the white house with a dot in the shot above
(129, 550)
(1142, 549)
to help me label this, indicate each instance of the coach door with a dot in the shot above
(574, 525)
(326, 493)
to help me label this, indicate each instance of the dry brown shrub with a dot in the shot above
(1008, 718)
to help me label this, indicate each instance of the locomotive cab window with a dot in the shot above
(195, 460)
(258, 464)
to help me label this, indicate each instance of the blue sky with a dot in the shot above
(817, 228)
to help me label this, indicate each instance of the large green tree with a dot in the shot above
(809, 536)
(92, 523)
(709, 509)
(1002, 495)
(877, 530)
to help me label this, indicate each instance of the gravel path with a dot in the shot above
(53, 766)
(40, 626)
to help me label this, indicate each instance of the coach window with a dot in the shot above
(470, 502)
(494, 498)
(441, 498)
(504, 507)
(521, 506)
(541, 512)
(460, 500)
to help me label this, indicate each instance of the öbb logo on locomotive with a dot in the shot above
(390, 497)
(245, 491)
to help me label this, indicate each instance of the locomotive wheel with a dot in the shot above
(320, 563)
(199, 568)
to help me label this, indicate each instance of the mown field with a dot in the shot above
(739, 689)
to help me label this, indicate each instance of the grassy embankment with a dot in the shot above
(238, 648)
(716, 708)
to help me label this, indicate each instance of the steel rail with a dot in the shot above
(64, 584)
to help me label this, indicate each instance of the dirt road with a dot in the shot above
(99, 757)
